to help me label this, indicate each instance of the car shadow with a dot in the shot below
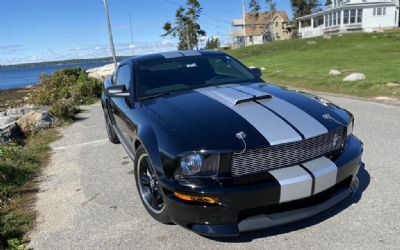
(364, 179)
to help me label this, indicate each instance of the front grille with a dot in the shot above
(284, 155)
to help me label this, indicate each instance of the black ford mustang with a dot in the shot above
(219, 151)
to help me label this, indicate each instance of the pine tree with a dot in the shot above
(186, 27)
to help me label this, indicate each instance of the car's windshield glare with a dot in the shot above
(186, 73)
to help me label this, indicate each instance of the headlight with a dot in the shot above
(197, 165)
(350, 127)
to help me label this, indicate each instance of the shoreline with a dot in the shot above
(12, 98)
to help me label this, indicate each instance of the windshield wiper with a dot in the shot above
(155, 96)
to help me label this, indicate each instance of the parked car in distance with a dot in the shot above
(219, 151)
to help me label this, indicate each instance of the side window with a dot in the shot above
(124, 76)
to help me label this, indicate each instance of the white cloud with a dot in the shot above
(93, 51)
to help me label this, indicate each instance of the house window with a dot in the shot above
(359, 15)
(334, 18)
(276, 24)
(326, 20)
(339, 17)
(330, 19)
(346, 17)
(251, 39)
(352, 16)
(380, 11)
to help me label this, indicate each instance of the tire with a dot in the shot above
(148, 188)
(112, 136)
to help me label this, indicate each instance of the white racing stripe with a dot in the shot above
(305, 123)
(295, 183)
(325, 172)
(274, 129)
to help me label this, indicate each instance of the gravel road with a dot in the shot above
(88, 198)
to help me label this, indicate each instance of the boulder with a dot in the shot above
(311, 42)
(334, 72)
(36, 120)
(354, 77)
(11, 133)
(16, 113)
(392, 84)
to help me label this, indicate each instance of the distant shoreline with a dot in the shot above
(62, 63)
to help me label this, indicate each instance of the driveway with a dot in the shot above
(88, 197)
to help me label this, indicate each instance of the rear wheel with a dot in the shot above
(112, 136)
(148, 187)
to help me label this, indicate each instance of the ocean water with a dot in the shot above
(11, 78)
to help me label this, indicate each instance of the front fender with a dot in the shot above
(148, 139)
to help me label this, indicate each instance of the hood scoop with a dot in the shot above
(237, 95)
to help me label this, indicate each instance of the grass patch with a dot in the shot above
(301, 64)
(18, 167)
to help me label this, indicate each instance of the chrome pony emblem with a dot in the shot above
(241, 136)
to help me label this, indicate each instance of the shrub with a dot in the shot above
(64, 109)
(66, 89)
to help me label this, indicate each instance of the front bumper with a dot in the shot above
(256, 206)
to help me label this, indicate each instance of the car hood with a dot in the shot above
(212, 119)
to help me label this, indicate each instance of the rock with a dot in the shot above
(11, 133)
(311, 42)
(36, 120)
(386, 99)
(355, 77)
(334, 72)
(5, 120)
(328, 37)
(392, 84)
(18, 112)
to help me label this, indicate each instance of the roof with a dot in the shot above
(172, 54)
(265, 17)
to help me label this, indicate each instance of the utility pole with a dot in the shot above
(110, 37)
(133, 47)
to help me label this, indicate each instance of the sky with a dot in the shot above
(49, 30)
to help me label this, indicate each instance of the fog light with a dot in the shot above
(186, 197)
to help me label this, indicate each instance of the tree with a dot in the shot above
(268, 30)
(328, 2)
(304, 7)
(254, 6)
(186, 27)
(213, 43)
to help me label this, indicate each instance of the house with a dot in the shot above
(350, 15)
(265, 27)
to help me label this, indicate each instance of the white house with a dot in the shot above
(351, 15)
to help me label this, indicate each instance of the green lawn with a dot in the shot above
(303, 64)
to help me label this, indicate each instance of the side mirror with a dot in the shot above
(256, 71)
(118, 91)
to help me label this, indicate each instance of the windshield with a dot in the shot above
(187, 73)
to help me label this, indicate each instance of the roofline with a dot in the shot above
(347, 6)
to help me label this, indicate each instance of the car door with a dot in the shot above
(121, 106)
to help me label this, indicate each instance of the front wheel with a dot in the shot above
(148, 187)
